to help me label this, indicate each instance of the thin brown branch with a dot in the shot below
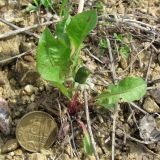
(111, 60)
(16, 27)
(134, 105)
(17, 56)
(21, 30)
(89, 125)
(134, 23)
(149, 66)
(114, 130)
(93, 56)
(80, 6)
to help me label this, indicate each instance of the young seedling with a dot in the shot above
(58, 62)
(32, 7)
(124, 49)
(58, 59)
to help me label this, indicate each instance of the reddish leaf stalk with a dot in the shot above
(74, 105)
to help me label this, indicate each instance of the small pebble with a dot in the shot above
(33, 98)
(9, 146)
(37, 156)
(11, 153)
(8, 157)
(41, 88)
(150, 105)
(2, 157)
(18, 152)
(29, 89)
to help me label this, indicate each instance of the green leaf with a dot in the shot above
(127, 90)
(31, 8)
(37, 2)
(103, 43)
(61, 29)
(47, 3)
(63, 89)
(53, 57)
(88, 148)
(80, 26)
(82, 75)
(63, 9)
(118, 37)
(124, 51)
(61, 26)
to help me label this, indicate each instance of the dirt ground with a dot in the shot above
(23, 90)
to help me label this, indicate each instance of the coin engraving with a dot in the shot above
(36, 130)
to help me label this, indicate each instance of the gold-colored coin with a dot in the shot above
(36, 130)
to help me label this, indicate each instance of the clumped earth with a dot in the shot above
(133, 28)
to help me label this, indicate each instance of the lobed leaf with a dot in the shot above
(127, 90)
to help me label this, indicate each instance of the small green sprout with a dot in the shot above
(32, 7)
(103, 43)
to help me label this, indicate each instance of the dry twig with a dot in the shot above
(93, 56)
(134, 23)
(149, 66)
(111, 60)
(16, 27)
(89, 125)
(80, 6)
(114, 130)
(21, 30)
(134, 105)
(117, 106)
(17, 56)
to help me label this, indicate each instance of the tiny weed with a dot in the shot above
(123, 47)
(32, 7)
(103, 43)
(58, 62)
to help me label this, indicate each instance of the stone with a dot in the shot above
(150, 105)
(65, 157)
(8, 157)
(10, 46)
(25, 73)
(123, 63)
(33, 97)
(29, 89)
(46, 152)
(37, 156)
(18, 152)
(2, 157)
(2, 3)
(155, 94)
(12, 154)
(9, 146)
